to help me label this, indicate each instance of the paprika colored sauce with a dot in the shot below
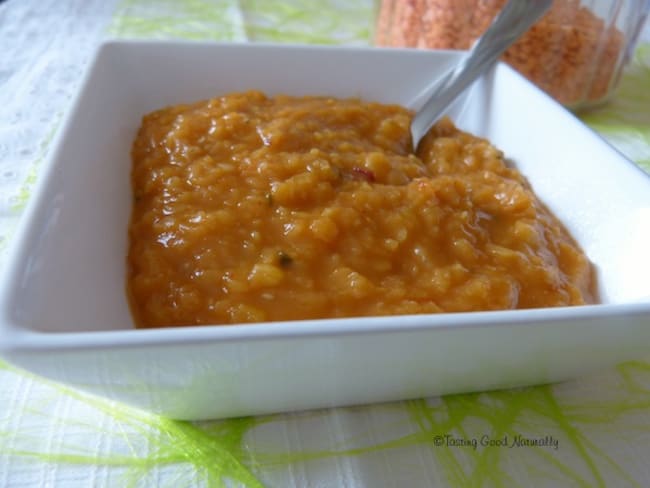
(252, 209)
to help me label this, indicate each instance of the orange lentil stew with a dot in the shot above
(250, 209)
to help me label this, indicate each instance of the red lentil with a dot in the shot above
(570, 53)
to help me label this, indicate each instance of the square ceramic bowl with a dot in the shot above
(63, 309)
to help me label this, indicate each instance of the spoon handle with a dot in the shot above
(515, 19)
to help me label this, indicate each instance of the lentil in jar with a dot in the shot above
(249, 208)
(571, 53)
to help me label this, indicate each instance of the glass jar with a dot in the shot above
(576, 52)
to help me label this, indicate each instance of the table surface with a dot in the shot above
(593, 431)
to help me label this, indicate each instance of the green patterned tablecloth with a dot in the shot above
(594, 431)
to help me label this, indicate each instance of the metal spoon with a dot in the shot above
(515, 19)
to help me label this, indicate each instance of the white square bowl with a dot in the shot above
(63, 309)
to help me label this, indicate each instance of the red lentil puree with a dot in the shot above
(249, 209)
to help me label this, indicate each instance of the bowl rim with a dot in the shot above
(15, 338)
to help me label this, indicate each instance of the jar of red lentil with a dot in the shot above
(576, 52)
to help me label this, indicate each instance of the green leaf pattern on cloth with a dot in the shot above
(196, 20)
(589, 435)
(576, 423)
(622, 122)
(330, 22)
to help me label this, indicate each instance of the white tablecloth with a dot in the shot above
(595, 430)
